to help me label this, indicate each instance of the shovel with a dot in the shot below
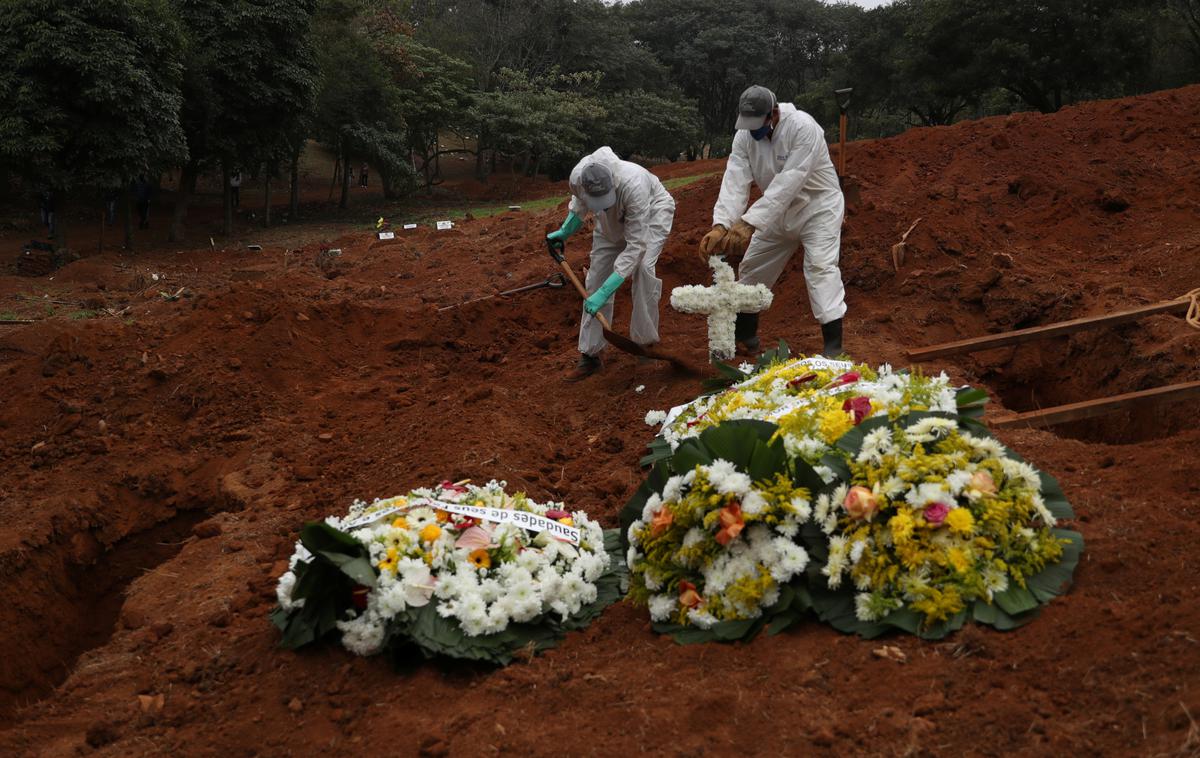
(555, 281)
(619, 341)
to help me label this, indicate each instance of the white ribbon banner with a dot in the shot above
(523, 519)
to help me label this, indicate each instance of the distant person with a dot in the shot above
(350, 179)
(141, 196)
(235, 188)
(46, 205)
(783, 151)
(362, 176)
(110, 206)
(633, 213)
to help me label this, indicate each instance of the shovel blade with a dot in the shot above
(627, 345)
(623, 343)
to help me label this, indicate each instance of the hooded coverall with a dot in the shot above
(628, 239)
(801, 203)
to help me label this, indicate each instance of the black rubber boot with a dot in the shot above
(745, 331)
(832, 334)
(587, 365)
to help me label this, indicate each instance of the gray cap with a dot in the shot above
(599, 194)
(755, 104)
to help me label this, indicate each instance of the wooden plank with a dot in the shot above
(1061, 414)
(989, 341)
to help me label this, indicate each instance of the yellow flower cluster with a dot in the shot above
(950, 528)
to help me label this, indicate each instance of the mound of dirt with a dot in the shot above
(156, 466)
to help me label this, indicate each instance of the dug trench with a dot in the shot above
(1096, 365)
(66, 596)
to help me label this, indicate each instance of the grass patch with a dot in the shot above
(529, 206)
(80, 315)
(683, 181)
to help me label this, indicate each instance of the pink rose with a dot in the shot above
(861, 503)
(935, 513)
(983, 481)
(859, 407)
(556, 514)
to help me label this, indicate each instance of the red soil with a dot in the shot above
(155, 472)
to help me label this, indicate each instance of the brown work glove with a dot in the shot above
(737, 239)
(711, 244)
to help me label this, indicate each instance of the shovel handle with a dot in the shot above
(556, 251)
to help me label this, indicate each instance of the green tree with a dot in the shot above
(543, 121)
(90, 92)
(434, 95)
(713, 48)
(1053, 52)
(358, 109)
(250, 77)
(648, 125)
(1188, 14)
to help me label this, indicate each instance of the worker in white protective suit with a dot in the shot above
(633, 212)
(783, 151)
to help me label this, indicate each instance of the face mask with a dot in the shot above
(760, 132)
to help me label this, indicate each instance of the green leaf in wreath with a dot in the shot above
(357, 567)
(732, 441)
(1055, 579)
(1055, 499)
(992, 615)
(659, 449)
(1016, 600)
(970, 401)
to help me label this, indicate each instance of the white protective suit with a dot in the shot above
(801, 203)
(628, 239)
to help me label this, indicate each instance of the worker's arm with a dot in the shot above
(735, 185)
(570, 225)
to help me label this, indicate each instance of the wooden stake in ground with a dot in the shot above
(1061, 414)
(975, 344)
(899, 247)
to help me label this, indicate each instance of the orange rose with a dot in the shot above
(688, 597)
(861, 503)
(661, 522)
(731, 522)
(983, 481)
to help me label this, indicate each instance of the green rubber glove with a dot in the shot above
(569, 227)
(601, 296)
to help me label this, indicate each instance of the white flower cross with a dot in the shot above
(721, 303)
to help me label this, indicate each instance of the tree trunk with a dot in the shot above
(480, 141)
(345, 201)
(337, 167)
(187, 187)
(60, 224)
(267, 171)
(227, 199)
(127, 207)
(294, 199)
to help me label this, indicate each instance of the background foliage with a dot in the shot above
(99, 93)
